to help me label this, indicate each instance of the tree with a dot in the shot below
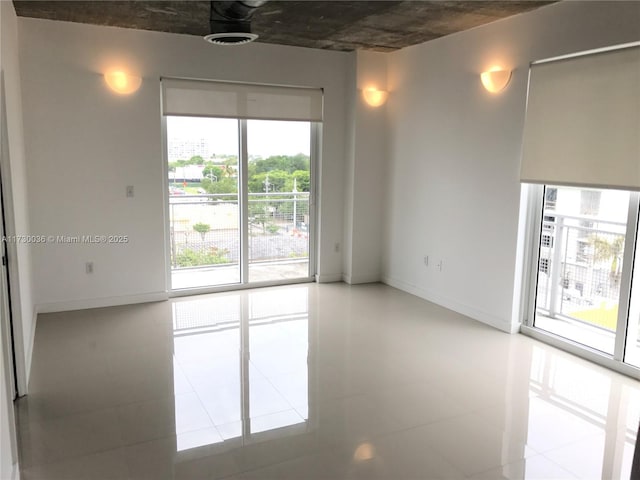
(273, 181)
(202, 229)
(212, 170)
(258, 214)
(195, 160)
(285, 163)
(303, 181)
(226, 185)
(605, 250)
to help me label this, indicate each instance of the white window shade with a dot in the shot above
(199, 98)
(582, 125)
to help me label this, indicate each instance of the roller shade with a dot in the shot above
(198, 98)
(582, 124)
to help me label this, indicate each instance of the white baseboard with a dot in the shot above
(361, 278)
(471, 312)
(102, 302)
(329, 278)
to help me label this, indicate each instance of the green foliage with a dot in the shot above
(202, 229)
(303, 181)
(196, 160)
(604, 316)
(277, 180)
(226, 185)
(211, 169)
(608, 250)
(272, 228)
(285, 163)
(258, 214)
(281, 170)
(192, 258)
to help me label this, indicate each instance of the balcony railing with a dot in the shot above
(205, 229)
(580, 269)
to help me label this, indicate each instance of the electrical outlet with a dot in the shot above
(336, 247)
(129, 191)
(88, 267)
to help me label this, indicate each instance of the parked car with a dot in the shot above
(176, 191)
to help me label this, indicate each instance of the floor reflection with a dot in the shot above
(579, 418)
(240, 366)
(314, 382)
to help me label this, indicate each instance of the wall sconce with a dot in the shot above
(365, 451)
(121, 82)
(374, 97)
(495, 79)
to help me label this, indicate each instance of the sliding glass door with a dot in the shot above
(240, 207)
(587, 260)
(204, 201)
(279, 184)
(579, 163)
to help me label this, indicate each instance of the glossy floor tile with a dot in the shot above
(314, 382)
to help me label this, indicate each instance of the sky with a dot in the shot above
(264, 137)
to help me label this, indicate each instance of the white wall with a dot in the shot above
(8, 465)
(15, 194)
(84, 145)
(12, 167)
(365, 189)
(455, 152)
(349, 168)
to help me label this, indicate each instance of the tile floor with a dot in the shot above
(314, 382)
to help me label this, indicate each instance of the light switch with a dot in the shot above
(129, 191)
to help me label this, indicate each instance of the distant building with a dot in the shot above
(577, 222)
(181, 149)
(188, 173)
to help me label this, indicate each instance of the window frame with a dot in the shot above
(534, 196)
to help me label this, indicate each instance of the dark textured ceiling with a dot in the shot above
(333, 25)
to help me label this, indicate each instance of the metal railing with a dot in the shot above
(205, 229)
(580, 267)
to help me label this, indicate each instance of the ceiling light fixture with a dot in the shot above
(121, 82)
(495, 79)
(375, 97)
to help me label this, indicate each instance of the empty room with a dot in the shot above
(319, 240)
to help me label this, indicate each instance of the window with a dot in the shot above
(241, 182)
(580, 159)
(544, 265)
(550, 198)
(582, 288)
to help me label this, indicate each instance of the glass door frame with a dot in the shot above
(315, 132)
(533, 197)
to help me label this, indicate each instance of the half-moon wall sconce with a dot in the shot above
(495, 79)
(121, 82)
(374, 97)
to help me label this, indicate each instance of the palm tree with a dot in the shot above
(605, 249)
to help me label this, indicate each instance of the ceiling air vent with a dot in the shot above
(230, 22)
